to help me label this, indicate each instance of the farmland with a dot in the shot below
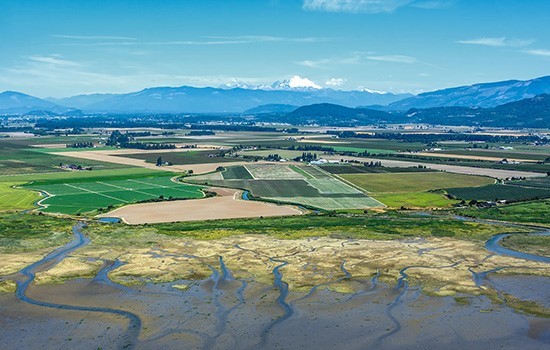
(78, 197)
(410, 189)
(182, 158)
(499, 192)
(413, 182)
(298, 184)
(16, 198)
(20, 158)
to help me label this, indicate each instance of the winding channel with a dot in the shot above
(493, 245)
(29, 275)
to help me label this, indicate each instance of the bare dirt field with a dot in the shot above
(114, 156)
(227, 205)
(496, 173)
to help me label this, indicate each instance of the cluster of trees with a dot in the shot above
(121, 140)
(234, 127)
(311, 148)
(306, 157)
(80, 145)
(201, 133)
(273, 157)
(432, 138)
(373, 164)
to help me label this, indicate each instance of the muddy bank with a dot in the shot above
(221, 312)
(259, 292)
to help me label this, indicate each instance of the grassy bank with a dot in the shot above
(537, 212)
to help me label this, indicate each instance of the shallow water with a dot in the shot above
(224, 312)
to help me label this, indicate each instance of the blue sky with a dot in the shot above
(60, 48)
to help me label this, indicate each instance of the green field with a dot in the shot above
(300, 184)
(92, 194)
(498, 153)
(18, 157)
(410, 189)
(499, 192)
(414, 182)
(236, 172)
(414, 200)
(16, 198)
(272, 172)
(528, 212)
(360, 169)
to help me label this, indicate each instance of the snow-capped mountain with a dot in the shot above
(295, 82)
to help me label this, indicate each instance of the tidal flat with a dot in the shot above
(115, 286)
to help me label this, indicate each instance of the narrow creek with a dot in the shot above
(29, 275)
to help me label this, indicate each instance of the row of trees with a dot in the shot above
(118, 139)
(80, 145)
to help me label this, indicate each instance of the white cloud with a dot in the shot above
(335, 82)
(92, 37)
(393, 58)
(538, 52)
(208, 40)
(319, 64)
(372, 6)
(53, 60)
(52, 75)
(355, 6)
(498, 42)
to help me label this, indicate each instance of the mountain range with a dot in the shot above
(286, 96)
(527, 113)
(485, 95)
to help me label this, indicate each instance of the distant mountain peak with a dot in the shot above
(295, 82)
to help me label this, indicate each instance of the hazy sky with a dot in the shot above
(59, 48)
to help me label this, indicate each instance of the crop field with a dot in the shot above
(500, 192)
(538, 182)
(75, 197)
(499, 153)
(410, 189)
(16, 198)
(16, 160)
(272, 188)
(330, 185)
(236, 172)
(300, 184)
(414, 182)
(183, 158)
(272, 172)
(333, 203)
(414, 199)
(314, 171)
(360, 169)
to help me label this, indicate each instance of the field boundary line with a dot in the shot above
(98, 193)
(167, 187)
(305, 171)
(127, 189)
(147, 183)
(253, 177)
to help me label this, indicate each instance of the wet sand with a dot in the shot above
(229, 307)
(222, 312)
